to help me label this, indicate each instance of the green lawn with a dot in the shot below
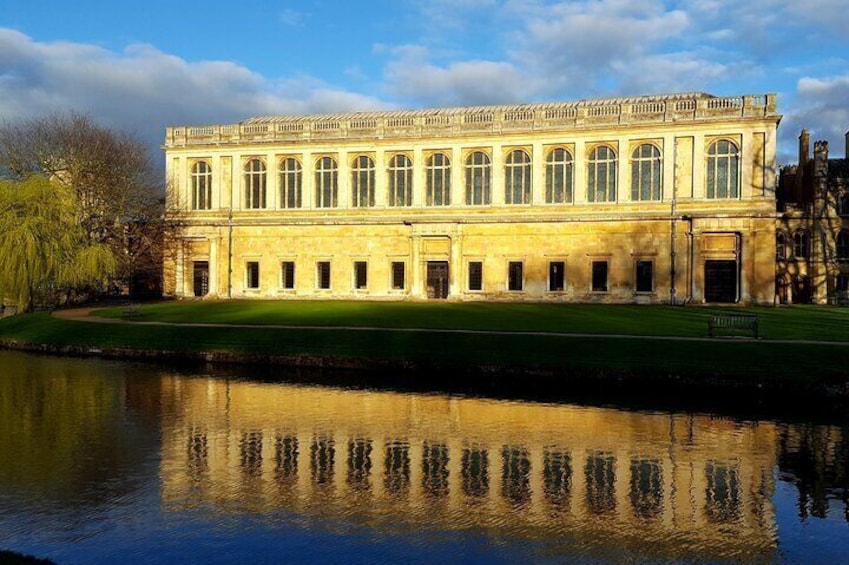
(796, 322)
(743, 360)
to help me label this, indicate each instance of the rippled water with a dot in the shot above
(104, 462)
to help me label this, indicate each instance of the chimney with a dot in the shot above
(847, 144)
(820, 159)
(804, 148)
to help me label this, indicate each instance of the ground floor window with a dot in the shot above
(842, 282)
(515, 275)
(287, 274)
(644, 276)
(323, 274)
(252, 275)
(360, 275)
(398, 275)
(556, 276)
(599, 273)
(475, 275)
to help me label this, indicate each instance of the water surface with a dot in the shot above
(104, 462)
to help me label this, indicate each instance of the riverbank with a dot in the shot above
(529, 355)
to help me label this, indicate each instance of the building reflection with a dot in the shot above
(674, 484)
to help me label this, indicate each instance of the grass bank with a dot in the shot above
(794, 323)
(561, 359)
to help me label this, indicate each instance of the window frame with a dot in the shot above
(478, 175)
(782, 244)
(291, 183)
(287, 272)
(637, 279)
(567, 164)
(320, 275)
(441, 171)
(606, 286)
(201, 181)
(399, 181)
(610, 165)
(252, 271)
(479, 275)
(392, 275)
(256, 184)
(326, 182)
(514, 268)
(801, 244)
(521, 171)
(360, 275)
(363, 179)
(841, 245)
(562, 276)
(731, 162)
(654, 163)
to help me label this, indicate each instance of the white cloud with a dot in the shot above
(143, 89)
(820, 105)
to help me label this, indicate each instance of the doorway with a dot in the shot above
(721, 281)
(201, 278)
(437, 279)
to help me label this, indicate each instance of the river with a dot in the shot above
(117, 462)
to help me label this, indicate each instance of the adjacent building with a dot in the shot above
(812, 237)
(649, 199)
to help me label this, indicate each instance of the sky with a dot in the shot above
(143, 66)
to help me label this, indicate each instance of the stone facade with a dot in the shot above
(649, 199)
(812, 237)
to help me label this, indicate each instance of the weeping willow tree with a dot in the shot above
(109, 172)
(45, 254)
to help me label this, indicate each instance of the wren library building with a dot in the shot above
(654, 199)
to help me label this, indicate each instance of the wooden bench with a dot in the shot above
(733, 322)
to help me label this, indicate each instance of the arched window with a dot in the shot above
(601, 175)
(558, 177)
(478, 179)
(438, 173)
(723, 177)
(291, 183)
(400, 181)
(780, 246)
(255, 184)
(843, 245)
(517, 178)
(645, 173)
(801, 244)
(326, 183)
(362, 182)
(201, 186)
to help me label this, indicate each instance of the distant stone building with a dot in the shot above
(648, 199)
(812, 236)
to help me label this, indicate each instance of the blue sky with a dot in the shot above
(145, 65)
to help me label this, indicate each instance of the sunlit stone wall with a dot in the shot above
(661, 207)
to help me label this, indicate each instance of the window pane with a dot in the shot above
(360, 275)
(645, 276)
(398, 273)
(475, 275)
(515, 276)
(556, 275)
(288, 274)
(252, 275)
(599, 282)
